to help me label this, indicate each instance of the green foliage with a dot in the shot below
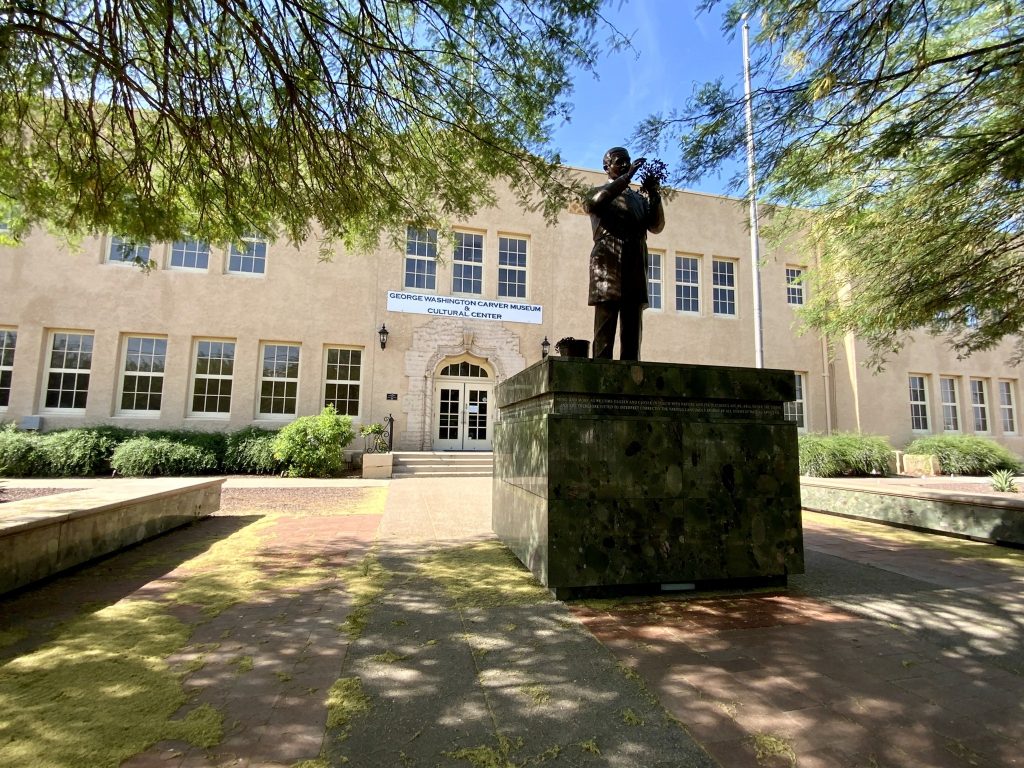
(1003, 482)
(377, 442)
(17, 452)
(966, 454)
(211, 443)
(845, 454)
(77, 452)
(313, 446)
(360, 117)
(151, 457)
(251, 451)
(898, 125)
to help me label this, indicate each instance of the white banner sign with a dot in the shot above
(454, 306)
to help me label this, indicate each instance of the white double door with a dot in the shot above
(462, 415)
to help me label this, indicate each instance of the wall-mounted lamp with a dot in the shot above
(383, 333)
(545, 347)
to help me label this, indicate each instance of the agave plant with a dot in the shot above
(1002, 481)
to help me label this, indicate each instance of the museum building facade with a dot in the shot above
(219, 337)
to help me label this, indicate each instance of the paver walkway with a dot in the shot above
(894, 649)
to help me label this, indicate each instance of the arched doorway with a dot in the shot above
(463, 391)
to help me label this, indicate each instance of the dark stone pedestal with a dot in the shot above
(613, 477)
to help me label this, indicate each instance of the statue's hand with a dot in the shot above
(636, 165)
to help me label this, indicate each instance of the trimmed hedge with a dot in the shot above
(844, 454)
(250, 451)
(966, 454)
(313, 446)
(17, 452)
(152, 457)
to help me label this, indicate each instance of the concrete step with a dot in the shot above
(443, 464)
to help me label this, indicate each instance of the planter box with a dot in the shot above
(377, 466)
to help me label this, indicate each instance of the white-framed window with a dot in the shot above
(979, 405)
(468, 263)
(688, 284)
(512, 267)
(212, 375)
(248, 257)
(654, 279)
(68, 370)
(142, 374)
(421, 258)
(1007, 408)
(124, 251)
(795, 286)
(950, 404)
(8, 342)
(190, 254)
(795, 410)
(279, 380)
(723, 283)
(343, 379)
(918, 403)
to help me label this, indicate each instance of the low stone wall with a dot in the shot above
(43, 536)
(986, 518)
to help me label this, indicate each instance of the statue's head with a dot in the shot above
(615, 154)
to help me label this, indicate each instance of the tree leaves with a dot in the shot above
(898, 124)
(212, 118)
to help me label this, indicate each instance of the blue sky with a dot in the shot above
(673, 49)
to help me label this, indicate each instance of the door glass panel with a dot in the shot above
(477, 418)
(448, 417)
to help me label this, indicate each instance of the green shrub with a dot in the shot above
(966, 454)
(313, 446)
(18, 452)
(78, 452)
(150, 457)
(212, 443)
(845, 454)
(251, 451)
(1003, 482)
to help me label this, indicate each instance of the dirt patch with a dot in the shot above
(303, 501)
(983, 489)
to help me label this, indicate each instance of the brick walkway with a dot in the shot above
(893, 650)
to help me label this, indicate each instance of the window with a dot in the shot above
(467, 265)
(8, 341)
(723, 281)
(279, 380)
(512, 267)
(211, 384)
(688, 284)
(342, 380)
(1007, 413)
(794, 411)
(190, 254)
(67, 375)
(248, 257)
(979, 404)
(466, 370)
(794, 286)
(421, 258)
(950, 406)
(142, 382)
(124, 251)
(654, 280)
(918, 404)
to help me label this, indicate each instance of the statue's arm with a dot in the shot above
(599, 197)
(656, 219)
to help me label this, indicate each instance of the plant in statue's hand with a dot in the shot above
(653, 169)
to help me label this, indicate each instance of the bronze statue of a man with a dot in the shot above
(621, 219)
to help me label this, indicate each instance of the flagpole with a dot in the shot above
(755, 251)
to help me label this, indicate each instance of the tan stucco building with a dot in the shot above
(219, 337)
